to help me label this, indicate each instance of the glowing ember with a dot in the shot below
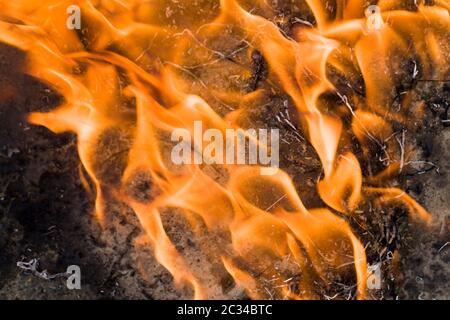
(138, 71)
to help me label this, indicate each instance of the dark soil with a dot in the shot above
(45, 212)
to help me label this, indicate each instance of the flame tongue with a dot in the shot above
(131, 77)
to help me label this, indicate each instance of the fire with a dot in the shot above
(132, 73)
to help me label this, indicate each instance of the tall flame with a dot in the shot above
(132, 73)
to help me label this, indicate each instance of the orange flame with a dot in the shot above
(133, 72)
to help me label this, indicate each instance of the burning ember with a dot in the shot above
(272, 131)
